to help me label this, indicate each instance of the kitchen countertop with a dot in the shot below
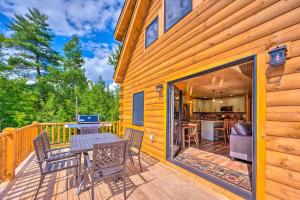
(204, 120)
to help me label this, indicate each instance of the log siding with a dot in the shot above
(216, 32)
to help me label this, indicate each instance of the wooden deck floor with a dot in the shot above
(157, 181)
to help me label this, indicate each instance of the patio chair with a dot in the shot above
(135, 146)
(88, 130)
(108, 162)
(55, 153)
(128, 134)
(48, 166)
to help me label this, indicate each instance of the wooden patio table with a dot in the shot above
(84, 143)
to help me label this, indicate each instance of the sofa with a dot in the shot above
(241, 141)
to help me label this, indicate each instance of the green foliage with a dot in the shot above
(32, 39)
(58, 80)
(100, 100)
(17, 102)
(4, 67)
(2, 62)
(113, 59)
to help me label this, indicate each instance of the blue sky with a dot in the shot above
(92, 20)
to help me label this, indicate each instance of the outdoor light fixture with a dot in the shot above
(159, 88)
(277, 56)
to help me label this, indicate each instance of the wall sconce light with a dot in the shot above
(159, 88)
(277, 56)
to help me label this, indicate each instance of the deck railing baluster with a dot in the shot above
(64, 134)
(58, 134)
(16, 144)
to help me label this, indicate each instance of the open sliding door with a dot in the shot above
(175, 110)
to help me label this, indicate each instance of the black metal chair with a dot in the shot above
(108, 162)
(135, 146)
(128, 134)
(51, 165)
(55, 153)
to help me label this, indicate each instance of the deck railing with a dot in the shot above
(17, 144)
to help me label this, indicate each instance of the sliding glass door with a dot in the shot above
(175, 111)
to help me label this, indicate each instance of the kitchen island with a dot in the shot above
(207, 128)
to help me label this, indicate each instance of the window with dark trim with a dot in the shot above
(138, 109)
(175, 10)
(152, 32)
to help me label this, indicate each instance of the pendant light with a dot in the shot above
(221, 101)
(213, 96)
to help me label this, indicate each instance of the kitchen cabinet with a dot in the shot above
(238, 104)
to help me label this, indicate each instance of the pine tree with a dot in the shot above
(2, 55)
(73, 64)
(114, 56)
(73, 54)
(32, 39)
(69, 81)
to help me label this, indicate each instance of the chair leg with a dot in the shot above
(40, 184)
(139, 157)
(79, 166)
(131, 159)
(196, 141)
(224, 132)
(124, 186)
(92, 189)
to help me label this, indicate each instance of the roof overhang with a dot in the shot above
(124, 19)
(130, 36)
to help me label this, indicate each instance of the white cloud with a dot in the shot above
(80, 17)
(113, 86)
(69, 17)
(98, 66)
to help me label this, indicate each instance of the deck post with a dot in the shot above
(10, 153)
(37, 128)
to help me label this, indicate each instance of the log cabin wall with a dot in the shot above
(215, 31)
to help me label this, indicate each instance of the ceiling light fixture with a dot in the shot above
(221, 101)
(213, 96)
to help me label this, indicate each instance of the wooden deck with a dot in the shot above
(157, 181)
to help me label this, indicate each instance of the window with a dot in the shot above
(176, 10)
(138, 109)
(152, 32)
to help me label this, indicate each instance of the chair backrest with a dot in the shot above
(137, 139)
(40, 150)
(128, 134)
(88, 130)
(226, 123)
(46, 141)
(193, 129)
(235, 120)
(109, 155)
